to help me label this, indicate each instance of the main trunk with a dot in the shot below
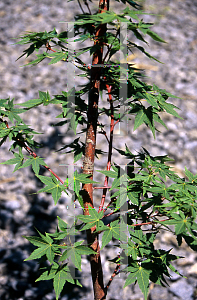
(88, 164)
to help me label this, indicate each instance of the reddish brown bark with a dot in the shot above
(88, 164)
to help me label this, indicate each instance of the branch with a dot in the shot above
(109, 48)
(116, 271)
(101, 187)
(86, 3)
(81, 7)
(49, 47)
(32, 153)
(110, 146)
(103, 132)
(148, 223)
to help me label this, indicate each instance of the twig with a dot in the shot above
(116, 271)
(109, 48)
(49, 47)
(101, 187)
(86, 3)
(103, 132)
(148, 223)
(110, 147)
(112, 200)
(113, 212)
(81, 6)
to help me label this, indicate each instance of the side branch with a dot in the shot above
(116, 271)
(32, 153)
(109, 147)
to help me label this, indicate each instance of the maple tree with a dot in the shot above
(143, 196)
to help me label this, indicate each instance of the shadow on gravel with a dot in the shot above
(20, 276)
(17, 277)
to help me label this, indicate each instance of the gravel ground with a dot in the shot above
(21, 211)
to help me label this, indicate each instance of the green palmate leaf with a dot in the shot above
(45, 247)
(175, 270)
(73, 123)
(36, 241)
(169, 108)
(49, 273)
(46, 180)
(83, 178)
(38, 252)
(60, 276)
(146, 116)
(9, 110)
(35, 162)
(63, 275)
(44, 97)
(116, 230)
(151, 99)
(63, 226)
(130, 249)
(190, 176)
(59, 282)
(139, 119)
(3, 102)
(157, 118)
(18, 160)
(143, 280)
(50, 254)
(106, 238)
(109, 173)
(115, 184)
(39, 58)
(134, 197)
(180, 227)
(142, 276)
(31, 103)
(78, 156)
(93, 216)
(99, 225)
(74, 252)
(60, 279)
(121, 197)
(75, 258)
(130, 279)
(84, 250)
(137, 34)
(57, 57)
(52, 186)
(140, 48)
(155, 36)
(77, 187)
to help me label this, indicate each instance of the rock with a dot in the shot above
(182, 289)
(193, 269)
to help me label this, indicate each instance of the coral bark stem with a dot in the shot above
(88, 164)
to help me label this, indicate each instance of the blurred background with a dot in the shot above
(21, 210)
